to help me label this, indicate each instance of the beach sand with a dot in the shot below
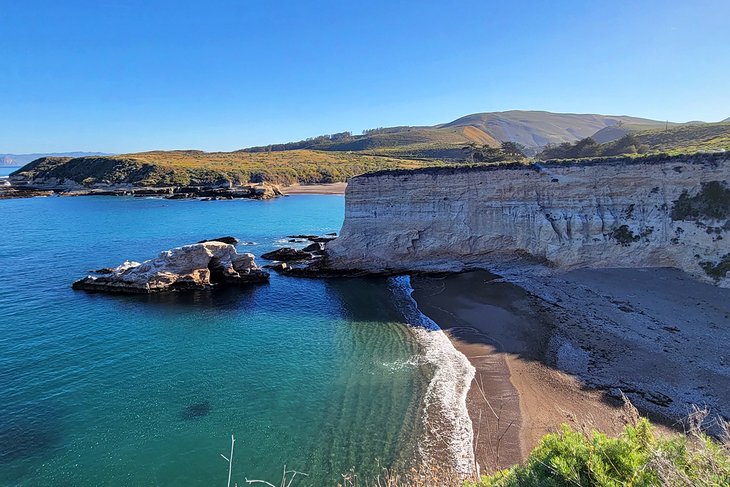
(548, 351)
(333, 188)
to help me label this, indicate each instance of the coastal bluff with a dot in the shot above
(658, 211)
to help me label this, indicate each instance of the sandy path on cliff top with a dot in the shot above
(510, 335)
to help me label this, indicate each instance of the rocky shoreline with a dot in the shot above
(23, 189)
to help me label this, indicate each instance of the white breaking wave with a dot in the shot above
(445, 416)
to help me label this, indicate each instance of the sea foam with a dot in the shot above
(447, 427)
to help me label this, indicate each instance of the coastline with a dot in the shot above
(514, 398)
(559, 347)
(447, 435)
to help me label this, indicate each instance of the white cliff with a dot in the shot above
(653, 212)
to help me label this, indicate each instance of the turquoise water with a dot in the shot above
(5, 170)
(320, 375)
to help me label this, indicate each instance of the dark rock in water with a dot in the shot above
(322, 239)
(287, 254)
(103, 270)
(196, 411)
(278, 266)
(333, 234)
(314, 247)
(226, 240)
(306, 237)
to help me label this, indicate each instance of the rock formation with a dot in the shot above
(197, 266)
(287, 254)
(645, 212)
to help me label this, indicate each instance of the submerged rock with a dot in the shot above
(196, 411)
(227, 240)
(197, 266)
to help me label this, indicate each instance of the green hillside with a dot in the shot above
(418, 142)
(179, 168)
(676, 139)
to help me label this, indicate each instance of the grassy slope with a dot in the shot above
(530, 128)
(708, 137)
(197, 167)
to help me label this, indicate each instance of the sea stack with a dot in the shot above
(191, 267)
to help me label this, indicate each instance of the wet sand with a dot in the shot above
(333, 188)
(558, 351)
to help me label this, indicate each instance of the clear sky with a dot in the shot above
(130, 75)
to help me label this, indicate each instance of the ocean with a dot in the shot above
(322, 376)
(6, 170)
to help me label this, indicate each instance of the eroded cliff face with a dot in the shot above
(670, 212)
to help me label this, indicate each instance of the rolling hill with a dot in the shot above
(536, 129)
(533, 129)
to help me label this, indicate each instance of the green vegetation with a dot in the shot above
(506, 152)
(402, 142)
(636, 458)
(588, 147)
(182, 168)
(719, 270)
(673, 140)
(624, 236)
(713, 202)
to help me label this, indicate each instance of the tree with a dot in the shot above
(513, 150)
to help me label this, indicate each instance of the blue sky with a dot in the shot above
(122, 76)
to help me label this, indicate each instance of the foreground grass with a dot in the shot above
(636, 458)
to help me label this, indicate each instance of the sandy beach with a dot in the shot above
(557, 348)
(332, 188)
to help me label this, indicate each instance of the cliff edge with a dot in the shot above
(656, 211)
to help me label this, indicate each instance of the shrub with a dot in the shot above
(636, 458)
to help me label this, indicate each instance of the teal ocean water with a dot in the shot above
(319, 375)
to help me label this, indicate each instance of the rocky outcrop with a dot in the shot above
(123, 176)
(646, 212)
(227, 240)
(286, 254)
(197, 266)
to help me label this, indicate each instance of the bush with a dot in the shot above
(636, 458)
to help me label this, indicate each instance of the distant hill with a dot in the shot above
(22, 159)
(536, 129)
(533, 129)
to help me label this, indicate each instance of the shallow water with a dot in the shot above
(320, 375)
